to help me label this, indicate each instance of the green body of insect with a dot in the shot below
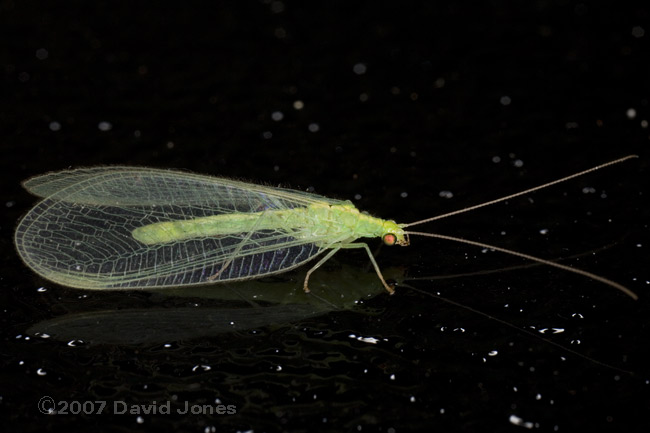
(331, 221)
(138, 228)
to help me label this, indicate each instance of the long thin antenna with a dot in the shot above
(535, 259)
(528, 191)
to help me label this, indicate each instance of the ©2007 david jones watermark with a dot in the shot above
(49, 406)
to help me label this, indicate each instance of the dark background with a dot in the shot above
(402, 103)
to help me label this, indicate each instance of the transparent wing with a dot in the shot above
(80, 235)
(136, 186)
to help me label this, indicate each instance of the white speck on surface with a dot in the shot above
(638, 31)
(42, 54)
(370, 340)
(104, 126)
(505, 100)
(54, 126)
(201, 367)
(277, 116)
(359, 68)
(630, 113)
(515, 420)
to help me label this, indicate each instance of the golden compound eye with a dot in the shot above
(390, 239)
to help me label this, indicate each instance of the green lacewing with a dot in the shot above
(144, 228)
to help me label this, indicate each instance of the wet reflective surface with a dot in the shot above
(407, 113)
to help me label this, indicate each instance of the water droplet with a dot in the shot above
(42, 54)
(359, 68)
(630, 113)
(638, 31)
(105, 126)
(201, 367)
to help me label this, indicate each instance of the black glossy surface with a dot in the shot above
(545, 88)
